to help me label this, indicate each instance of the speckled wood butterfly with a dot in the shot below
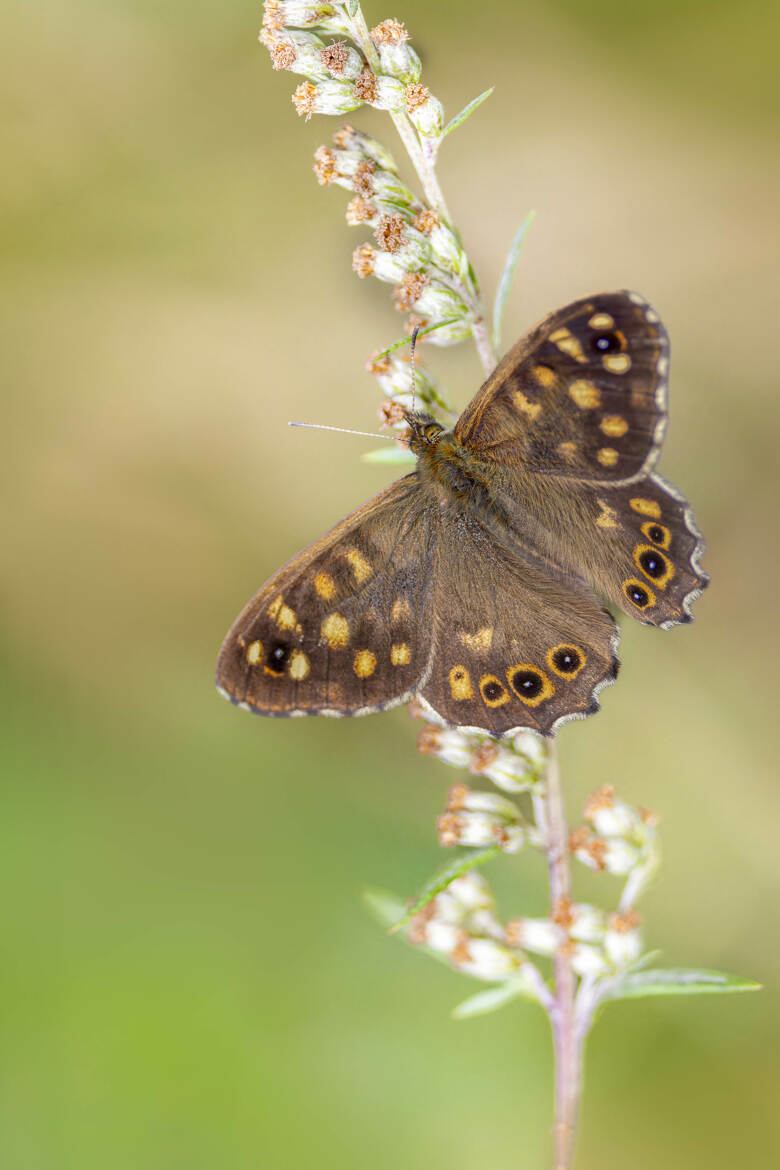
(472, 583)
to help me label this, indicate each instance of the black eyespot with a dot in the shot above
(606, 342)
(566, 660)
(652, 564)
(656, 533)
(527, 683)
(492, 691)
(278, 655)
(638, 595)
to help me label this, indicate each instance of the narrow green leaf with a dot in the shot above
(507, 277)
(385, 907)
(466, 112)
(352, 7)
(442, 879)
(492, 999)
(678, 982)
(421, 333)
(389, 455)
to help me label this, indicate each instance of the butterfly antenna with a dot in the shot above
(415, 331)
(343, 430)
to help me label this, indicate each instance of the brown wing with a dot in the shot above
(582, 395)
(638, 545)
(515, 646)
(344, 627)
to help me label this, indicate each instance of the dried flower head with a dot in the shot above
(365, 85)
(363, 259)
(390, 232)
(324, 165)
(426, 220)
(389, 32)
(359, 210)
(409, 291)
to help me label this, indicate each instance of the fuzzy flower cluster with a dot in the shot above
(377, 68)
(412, 246)
(616, 838)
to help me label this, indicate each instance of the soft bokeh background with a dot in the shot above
(188, 976)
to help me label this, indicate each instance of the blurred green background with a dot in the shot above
(189, 978)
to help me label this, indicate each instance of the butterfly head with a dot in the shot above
(424, 431)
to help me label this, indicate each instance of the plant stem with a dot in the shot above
(567, 1038)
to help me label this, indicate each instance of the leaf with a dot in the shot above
(420, 333)
(491, 1000)
(352, 7)
(389, 455)
(678, 982)
(443, 878)
(466, 112)
(507, 277)
(386, 907)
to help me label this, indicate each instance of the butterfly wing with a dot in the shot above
(571, 423)
(516, 646)
(344, 627)
(582, 395)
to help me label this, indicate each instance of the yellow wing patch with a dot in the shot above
(481, 641)
(335, 631)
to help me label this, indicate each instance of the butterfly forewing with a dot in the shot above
(583, 395)
(344, 627)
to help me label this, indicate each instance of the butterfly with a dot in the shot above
(476, 583)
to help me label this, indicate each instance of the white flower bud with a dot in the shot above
(485, 958)
(587, 923)
(400, 60)
(452, 746)
(620, 857)
(326, 97)
(426, 112)
(299, 13)
(505, 768)
(472, 891)
(388, 94)
(439, 302)
(463, 797)
(389, 268)
(623, 949)
(388, 186)
(479, 829)
(341, 61)
(348, 138)
(588, 960)
(447, 252)
(485, 924)
(539, 935)
(531, 745)
(611, 817)
(441, 936)
(306, 48)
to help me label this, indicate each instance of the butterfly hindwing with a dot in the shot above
(583, 395)
(343, 628)
(514, 646)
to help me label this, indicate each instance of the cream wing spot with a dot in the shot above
(325, 586)
(525, 406)
(480, 642)
(645, 507)
(613, 425)
(545, 376)
(300, 667)
(361, 568)
(568, 344)
(335, 631)
(585, 394)
(602, 321)
(607, 456)
(616, 363)
(364, 663)
(400, 610)
(400, 654)
(607, 517)
(568, 450)
(254, 653)
(460, 683)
